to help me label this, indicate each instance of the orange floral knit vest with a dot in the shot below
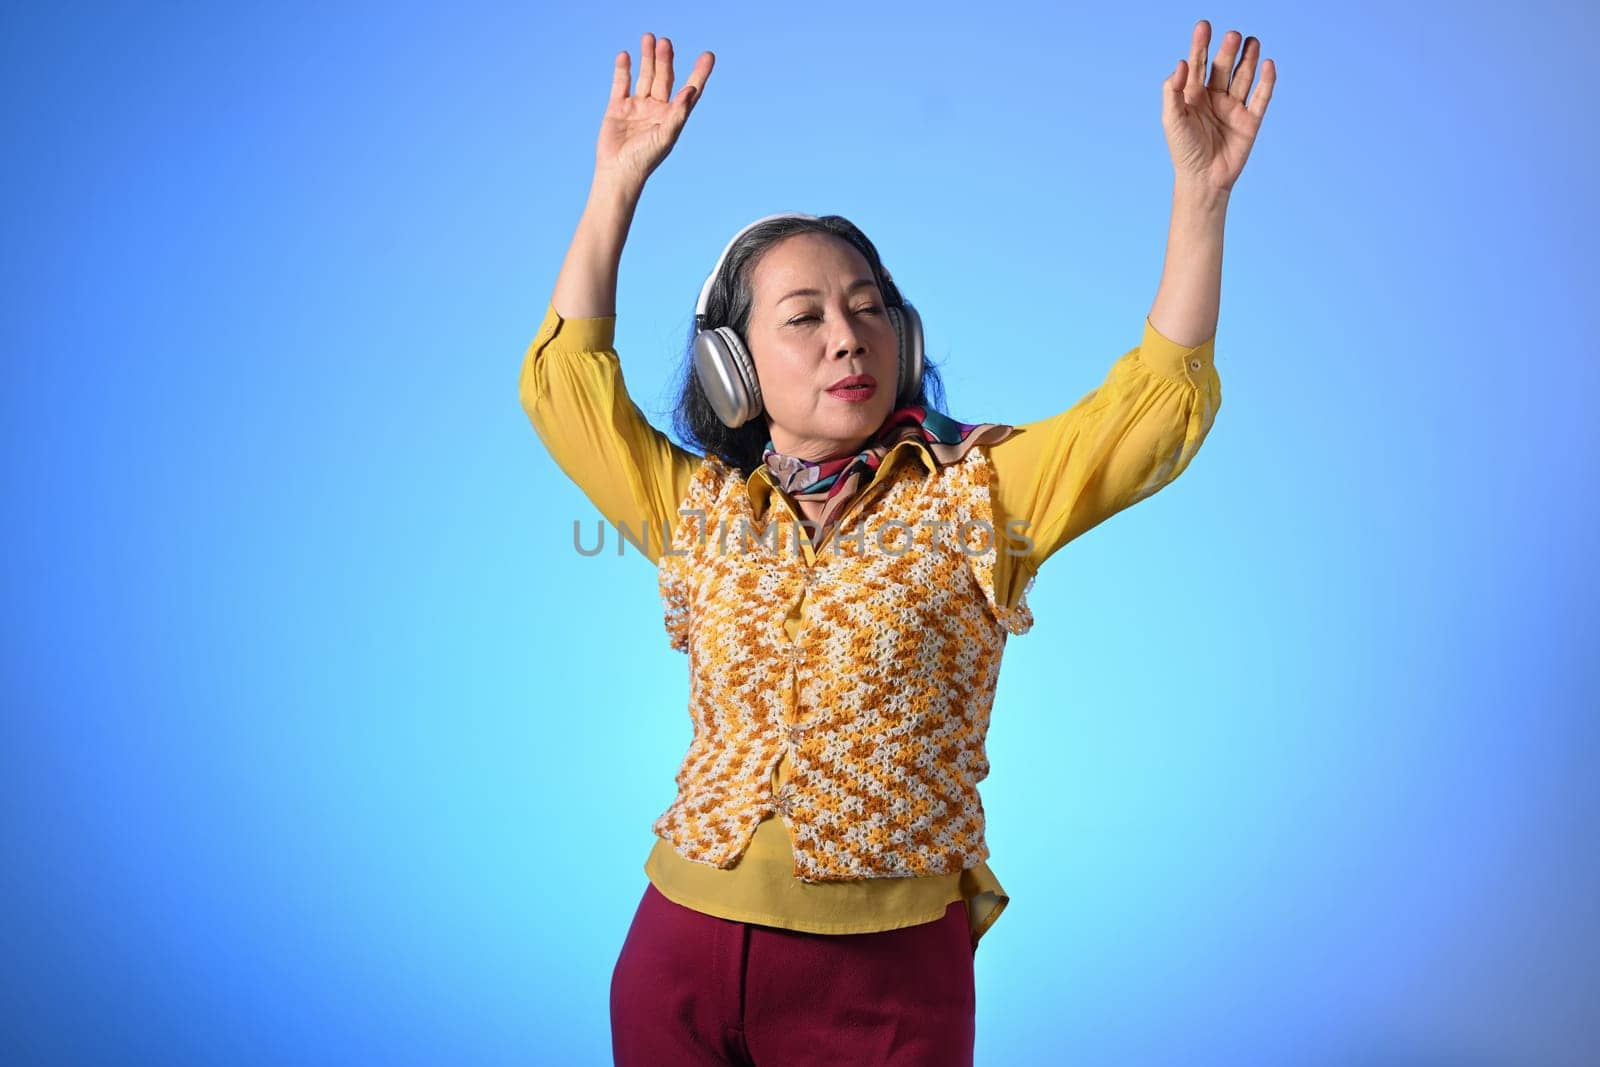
(882, 701)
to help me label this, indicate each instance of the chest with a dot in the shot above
(913, 555)
(896, 554)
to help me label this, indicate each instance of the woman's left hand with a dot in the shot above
(1210, 129)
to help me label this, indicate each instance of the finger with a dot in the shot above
(1172, 95)
(1172, 88)
(686, 99)
(1197, 55)
(1239, 88)
(698, 76)
(662, 89)
(619, 77)
(647, 65)
(1222, 66)
(1263, 94)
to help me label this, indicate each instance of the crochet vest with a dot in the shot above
(882, 700)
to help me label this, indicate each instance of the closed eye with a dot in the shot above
(870, 309)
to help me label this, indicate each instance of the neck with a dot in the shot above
(820, 451)
(813, 451)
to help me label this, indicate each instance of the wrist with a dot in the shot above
(1197, 195)
(616, 191)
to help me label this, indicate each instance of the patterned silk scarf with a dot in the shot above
(835, 482)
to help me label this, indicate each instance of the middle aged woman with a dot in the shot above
(819, 884)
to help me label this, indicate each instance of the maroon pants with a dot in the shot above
(690, 988)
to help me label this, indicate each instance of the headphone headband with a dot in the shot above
(705, 290)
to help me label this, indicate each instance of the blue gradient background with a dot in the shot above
(321, 745)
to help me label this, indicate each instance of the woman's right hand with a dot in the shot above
(640, 129)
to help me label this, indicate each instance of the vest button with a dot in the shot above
(797, 655)
(796, 735)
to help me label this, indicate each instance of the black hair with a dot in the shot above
(729, 303)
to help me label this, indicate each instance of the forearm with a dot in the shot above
(586, 288)
(1187, 301)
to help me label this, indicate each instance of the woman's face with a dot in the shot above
(817, 318)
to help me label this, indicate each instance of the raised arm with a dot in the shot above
(1210, 131)
(1127, 439)
(637, 132)
(571, 382)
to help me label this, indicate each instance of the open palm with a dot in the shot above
(640, 129)
(1210, 128)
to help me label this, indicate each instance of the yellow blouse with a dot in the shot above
(1062, 476)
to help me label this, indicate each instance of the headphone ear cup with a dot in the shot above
(728, 375)
(908, 326)
(747, 372)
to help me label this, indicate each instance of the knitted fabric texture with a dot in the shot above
(882, 701)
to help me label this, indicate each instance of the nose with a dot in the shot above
(849, 340)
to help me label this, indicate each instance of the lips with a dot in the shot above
(855, 387)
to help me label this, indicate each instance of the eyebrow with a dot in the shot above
(858, 284)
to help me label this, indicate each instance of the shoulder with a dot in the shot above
(713, 479)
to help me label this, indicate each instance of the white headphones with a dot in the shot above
(728, 374)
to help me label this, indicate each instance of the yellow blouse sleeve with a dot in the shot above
(1119, 444)
(572, 390)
